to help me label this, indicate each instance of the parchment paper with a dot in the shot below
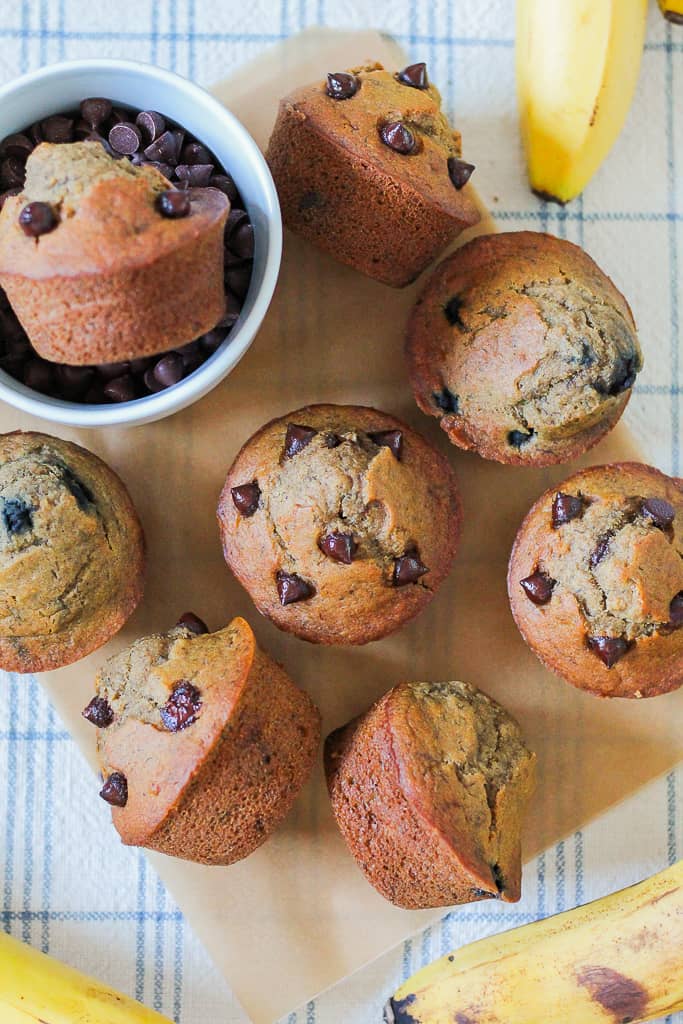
(298, 915)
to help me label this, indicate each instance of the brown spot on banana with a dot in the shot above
(396, 1011)
(623, 997)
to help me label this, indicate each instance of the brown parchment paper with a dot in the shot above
(298, 915)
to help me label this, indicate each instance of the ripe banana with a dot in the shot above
(618, 959)
(35, 989)
(673, 10)
(577, 69)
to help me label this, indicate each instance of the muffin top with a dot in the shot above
(596, 580)
(71, 551)
(393, 121)
(105, 214)
(522, 348)
(340, 521)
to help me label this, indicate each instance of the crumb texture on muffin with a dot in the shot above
(429, 788)
(523, 348)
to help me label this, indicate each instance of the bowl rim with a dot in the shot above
(233, 348)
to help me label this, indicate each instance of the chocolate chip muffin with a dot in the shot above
(71, 553)
(522, 348)
(368, 169)
(340, 521)
(429, 788)
(203, 742)
(99, 257)
(596, 580)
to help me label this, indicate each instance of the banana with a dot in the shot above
(35, 989)
(673, 10)
(577, 70)
(617, 959)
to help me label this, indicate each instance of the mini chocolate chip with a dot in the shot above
(193, 623)
(182, 707)
(565, 508)
(600, 550)
(609, 648)
(173, 203)
(459, 171)
(392, 439)
(194, 175)
(538, 587)
(115, 790)
(341, 85)
(518, 438)
(332, 440)
(99, 712)
(18, 145)
(676, 611)
(39, 375)
(246, 497)
(414, 75)
(17, 515)
(225, 184)
(125, 138)
(169, 370)
(152, 124)
(341, 547)
(408, 568)
(661, 512)
(96, 110)
(37, 219)
(164, 149)
(12, 172)
(296, 439)
(398, 136)
(58, 129)
(452, 312)
(447, 401)
(120, 389)
(291, 587)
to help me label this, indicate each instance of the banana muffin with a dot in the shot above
(368, 168)
(429, 788)
(596, 580)
(203, 742)
(104, 261)
(522, 348)
(340, 521)
(71, 553)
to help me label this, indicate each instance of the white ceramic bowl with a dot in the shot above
(60, 87)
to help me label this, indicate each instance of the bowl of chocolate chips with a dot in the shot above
(140, 242)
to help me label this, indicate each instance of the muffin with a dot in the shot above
(367, 168)
(522, 348)
(340, 521)
(429, 788)
(101, 259)
(596, 580)
(203, 742)
(71, 553)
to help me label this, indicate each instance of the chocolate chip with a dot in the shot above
(341, 85)
(225, 184)
(538, 587)
(341, 547)
(414, 75)
(194, 175)
(99, 712)
(96, 110)
(165, 149)
(242, 241)
(392, 439)
(609, 648)
(398, 136)
(36, 132)
(164, 169)
(125, 138)
(291, 588)
(565, 508)
(17, 145)
(12, 172)
(182, 707)
(447, 401)
(246, 497)
(600, 550)
(676, 611)
(120, 389)
(152, 124)
(74, 381)
(332, 440)
(212, 340)
(195, 153)
(39, 375)
(661, 512)
(452, 312)
(296, 439)
(518, 438)
(84, 497)
(115, 790)
(109, 371)
(459, 171)
(408, 568)
(193, 623)
(169, 370)
(57, 129)
(37, 219)
(150, 381)
(17, 515)
(173, 203)
(237, 279)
